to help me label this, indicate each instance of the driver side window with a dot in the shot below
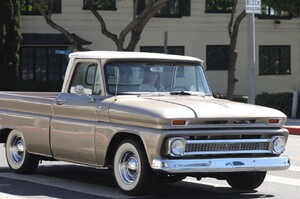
(86, 74)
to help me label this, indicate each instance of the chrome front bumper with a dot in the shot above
(221, 164)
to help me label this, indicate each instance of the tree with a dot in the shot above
(10, 38)
(135, 27)
(233, 30)
(45, 7)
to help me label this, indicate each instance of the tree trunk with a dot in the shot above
(233, 29)
(231, 74)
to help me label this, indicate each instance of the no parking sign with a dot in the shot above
(253, 6)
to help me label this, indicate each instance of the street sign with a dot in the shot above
(62, 52)
(253, 6)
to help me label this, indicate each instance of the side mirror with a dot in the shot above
(79, 90)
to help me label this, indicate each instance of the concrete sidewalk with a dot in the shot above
(293, 125)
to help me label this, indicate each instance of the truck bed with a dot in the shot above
(50, 95)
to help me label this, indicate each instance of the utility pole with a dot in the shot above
(251, 59)
(252, 7)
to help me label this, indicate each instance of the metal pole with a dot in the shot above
(251, 59)
(295, 104)
(166, 42)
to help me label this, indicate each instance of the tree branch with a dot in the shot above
(46, 11)
(104, 31)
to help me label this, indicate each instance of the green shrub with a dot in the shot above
(236, 98)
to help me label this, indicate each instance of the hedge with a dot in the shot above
(279, 101)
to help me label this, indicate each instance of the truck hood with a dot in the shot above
(160, 110)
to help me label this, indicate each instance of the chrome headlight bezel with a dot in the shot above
(278, 144)
(176, 146)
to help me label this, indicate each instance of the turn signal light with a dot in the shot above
(179, 122)
(274, 121)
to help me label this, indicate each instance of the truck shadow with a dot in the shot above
(103, 180)
(179, 190)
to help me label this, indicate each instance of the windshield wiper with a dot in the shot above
(180, 93)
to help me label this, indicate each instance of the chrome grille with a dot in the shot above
(234, 146)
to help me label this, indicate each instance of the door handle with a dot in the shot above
(60, 101)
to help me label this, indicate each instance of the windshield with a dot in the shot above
(139, 77)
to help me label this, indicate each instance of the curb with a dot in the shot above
(294, 130)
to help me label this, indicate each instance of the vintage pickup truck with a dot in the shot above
(147, 117)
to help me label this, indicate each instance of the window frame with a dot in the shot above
(57, 8)
(106, 8)
(217, 55)
(279, 56)
(223, 11)
(31, 64)
(184, 9)
(269, 16)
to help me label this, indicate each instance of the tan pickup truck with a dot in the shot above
(148, 117)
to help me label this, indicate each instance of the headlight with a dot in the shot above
(278, 144)
(177, 146)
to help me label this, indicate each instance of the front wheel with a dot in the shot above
(17, 156)
(246, 180)
(132, 172)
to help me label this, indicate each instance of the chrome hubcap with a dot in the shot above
(16, 149)
(128, 167)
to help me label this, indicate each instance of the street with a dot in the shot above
(62, 180)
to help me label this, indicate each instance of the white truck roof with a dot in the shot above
(129, 55)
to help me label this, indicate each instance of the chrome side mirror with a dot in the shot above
(79, 90)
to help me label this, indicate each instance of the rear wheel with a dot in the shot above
(132, 172)
(17, 156)
(246, 180)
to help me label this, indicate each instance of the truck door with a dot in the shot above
(75, 116)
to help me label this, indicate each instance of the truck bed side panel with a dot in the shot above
(31, 116)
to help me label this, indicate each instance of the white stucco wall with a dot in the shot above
(193, 32)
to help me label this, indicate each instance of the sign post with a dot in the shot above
(252, 7)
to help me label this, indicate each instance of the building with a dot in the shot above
(196, 28)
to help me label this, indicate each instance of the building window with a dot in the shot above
(219, 6)
(43, 63)
(274, 60)
(217, 57)
(174, 50)
(28, 8)
(269, 12)
(173, 8)
(103, 5)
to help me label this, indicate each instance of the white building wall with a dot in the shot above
(193, 32)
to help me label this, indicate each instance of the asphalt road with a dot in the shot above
(54, 180)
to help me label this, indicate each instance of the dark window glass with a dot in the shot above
(274, 60)
(103, 5)
(217, 57)
(174, 50)
(219, 6)
(28, 8)
(42, 63)
(269, 12)
(173, 8)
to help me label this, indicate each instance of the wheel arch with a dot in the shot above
(4, 132)
(116, 139)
